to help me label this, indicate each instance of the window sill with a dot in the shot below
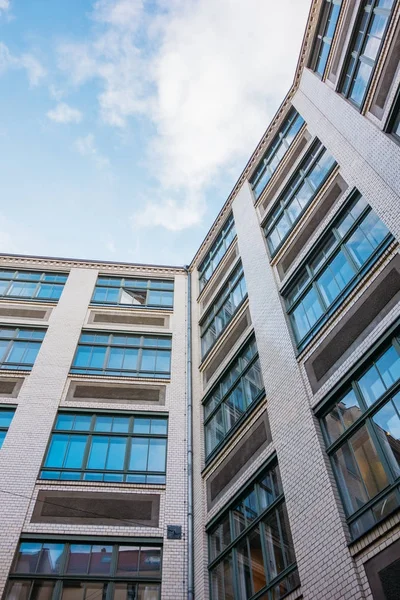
(104, 484)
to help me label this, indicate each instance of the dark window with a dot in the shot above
(123, 355)
(232, 396)
(80, 570)
(362, 432)
(19, 347)
(223, 309)
(155, 293)
(276, 151)
(217, 251)
(107, 447)
(250, 547)
(300, 192)
(394, 122)
(351, 245)
(326, 31)
(31, 285)
(6, 415)
(364, 50)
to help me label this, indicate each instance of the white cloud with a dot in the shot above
(63, 113)
(55, 92)
(34, 70)
(86, 146)
(4, 5)
(207, 75)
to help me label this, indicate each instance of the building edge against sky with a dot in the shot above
(294, 371)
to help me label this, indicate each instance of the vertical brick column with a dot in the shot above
(326, 569)
(26, 441)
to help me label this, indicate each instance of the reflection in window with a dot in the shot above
(326, 30)
(155, 293)
(365, 450)
(19, 347)
(96, 447)
(364, 50)
(74, 568)
(31, 285)
(262, 544)
(123, 355)
(217, 251)
(6, 415)
(336, 266)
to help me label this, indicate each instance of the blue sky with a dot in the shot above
(124, 124)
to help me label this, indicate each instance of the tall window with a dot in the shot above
(276, 151)
(80, 570)
(365, 46)
(31, 285)
(326, 31)
(107, 447)
(154, 293)
(19, 347)
(300, 192)
(350, 246)
(235, 393)
(362, 433)
(123, 355)
(394, 122)
(217, 251)
(250, 546)
(223, 309)
(6, 415)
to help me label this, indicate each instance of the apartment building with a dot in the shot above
(229, 430)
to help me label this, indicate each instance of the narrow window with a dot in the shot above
(326, 30)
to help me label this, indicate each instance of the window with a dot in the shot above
(107, 447)
(31, 285)
(394, 121)
(276, 151)
(154, 293)
(250, 546)
(362, 433)
(79, 570)
(19, 347)
(326, 31)
(238, 389)
(119, 355)
(365, 46)
(300, 192)
(217, 251)
(6, 415)
(351, 245)
(223, 309)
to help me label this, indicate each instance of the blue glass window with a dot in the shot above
(31, 285)
(364, 50)
(217, 251)
(334, 268)
(326, 30)
(299, 193)
(153, 293)
(97, 447)
(19, 347)
(6, 415)
(123, 355)
(276, 151)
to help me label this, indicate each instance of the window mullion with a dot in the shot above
(86, 452)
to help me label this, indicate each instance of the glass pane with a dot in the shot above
(388, 366)
(148, 591)
(163, 362)
(256, 560)
(128, 560)
(344, 414)
(65, 421)
(27, 557)
(388, 431)
(78, 558)
(18, 590)
(82, 422)
(50, 558)
(6, 417)
(141, 425)
(150, 562)
(82, 356)
(57, 450)
(371, 385)
(116, 358)
(244, 573)
(273, 545)
(116, 453)
(139, 450)
(287, 543)
(159, 426)
(98, 452)
(42, 590)
(120, 424)
(157, 455)
(148, 360)
(220, 538)
(359, 246)
(95, 590)
(103, 423)
(75, 452)
(130, 359)
(2, 437)
(100, 561)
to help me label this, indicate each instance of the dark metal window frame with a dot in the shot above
(90, 433)
(121, 286)
(252, 485)
(7, 408)
(278, 139)
(63, 576)
(251, 339)
(349, 382)
(18, 277)
(356, 55)
(227, 227)
(320, 38)
(394, 119)
(358, 275)
(104, 371)
(286, 196)
(9, 366)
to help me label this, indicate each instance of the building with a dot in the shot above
(229, 430)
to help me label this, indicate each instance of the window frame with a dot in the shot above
(349, 382)
(220, 241)
(149, 288)
(358, 276)
(91, 434)
(351, 53)
(138, 372)
(18, 278)
(319, 38)
(281, 205)
(11, 408)
(394, 119)
(19, 366)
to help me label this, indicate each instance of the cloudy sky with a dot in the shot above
(124, 124)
